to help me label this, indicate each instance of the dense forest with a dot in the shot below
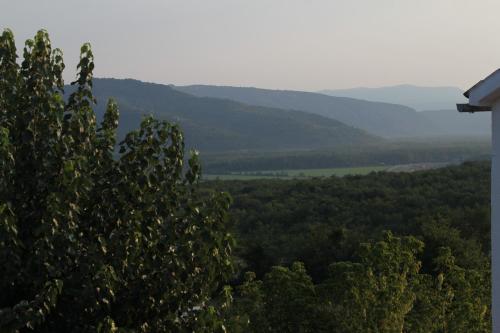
(412, 249)
(282, 221)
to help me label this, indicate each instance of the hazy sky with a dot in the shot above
(292, 44)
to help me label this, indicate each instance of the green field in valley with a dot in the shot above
(295, 173)
(325, 172)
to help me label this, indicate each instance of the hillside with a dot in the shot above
(215, 125)
(419, 98)
(383, 119)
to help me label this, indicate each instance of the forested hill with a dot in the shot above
(384, 119)
(215, 125)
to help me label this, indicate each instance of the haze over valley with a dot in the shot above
(417, 97)
(239, 129)
(386, 119)
(252, 118)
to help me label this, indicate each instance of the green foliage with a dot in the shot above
(90, 242)
(376, 294)
(285, 301)
(389, 283)
(385, 291)
(455, 299)
(321, 221)
(248, 312)
(289, 297)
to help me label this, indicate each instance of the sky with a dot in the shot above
(279, 44)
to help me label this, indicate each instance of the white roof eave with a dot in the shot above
(485, 92)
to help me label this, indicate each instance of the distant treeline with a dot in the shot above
(386, 154)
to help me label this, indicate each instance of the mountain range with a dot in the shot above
(227, 119)
(383, 119)
(215, 125)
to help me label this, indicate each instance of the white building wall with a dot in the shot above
(495, 216)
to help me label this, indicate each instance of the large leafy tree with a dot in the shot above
(93, 240)
(455, 300)
(386, 292)
(383, 292)
(285, 301)
(377, 293)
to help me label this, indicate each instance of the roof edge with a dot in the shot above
(472, 108)
(467, 93)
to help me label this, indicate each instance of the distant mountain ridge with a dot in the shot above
(438, 105)
(383, 119)
(417, 97)
(216, 125)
